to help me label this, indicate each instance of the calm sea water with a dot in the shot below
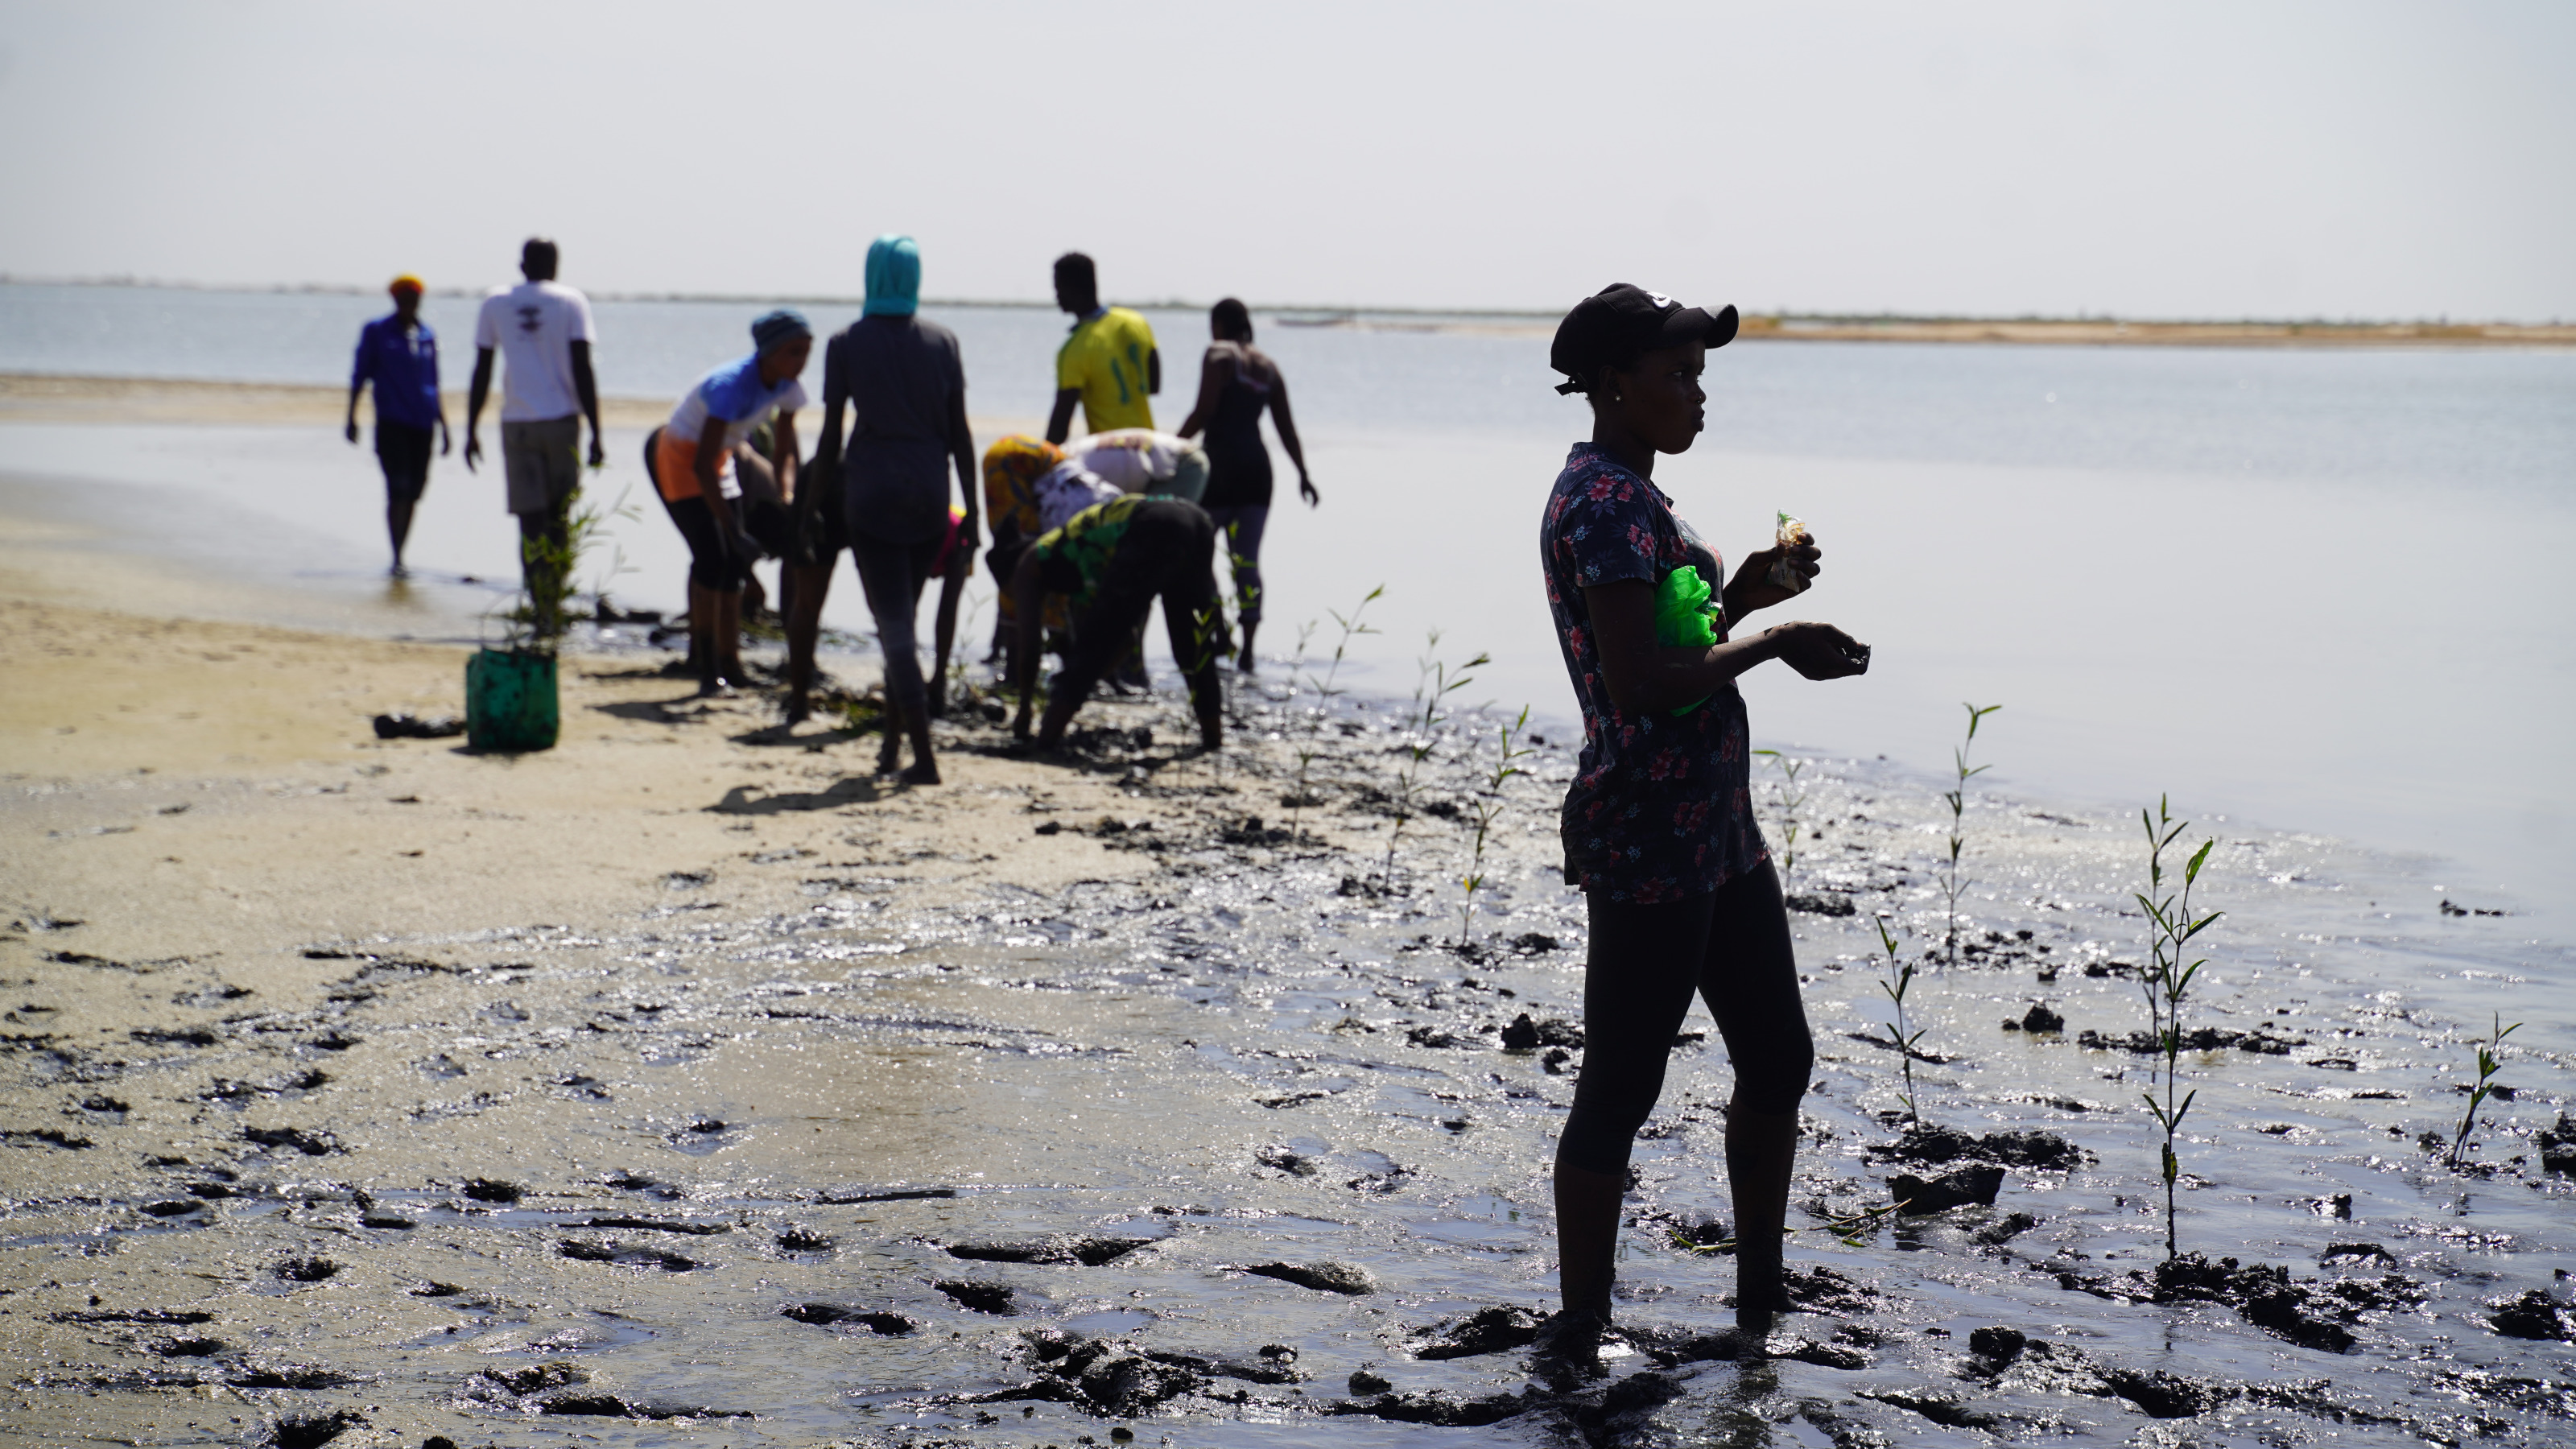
(2318, 590)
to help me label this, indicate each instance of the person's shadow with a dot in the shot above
(752, 800)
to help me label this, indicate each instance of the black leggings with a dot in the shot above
(713, 563)
(1732, 948)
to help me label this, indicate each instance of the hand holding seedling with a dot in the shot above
(1752, 587)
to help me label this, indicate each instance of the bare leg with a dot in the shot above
(944, 633)
(925, 768)
(806, 586)
(1587, 1235)
(727, 642)
(702, 643)
(1246, 661)
(398, 526)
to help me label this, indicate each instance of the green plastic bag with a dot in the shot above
(510, 701)
(1686, 616)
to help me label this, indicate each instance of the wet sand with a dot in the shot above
(687, 1084)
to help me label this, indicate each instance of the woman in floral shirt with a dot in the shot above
(1658, 824)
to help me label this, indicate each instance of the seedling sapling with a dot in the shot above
(1431, 691)
(2488, 1066)
(1791, 798)
(1957, 799)
(2170, 929)
(1898, 1036)
(1487, 805)
(1325, 694)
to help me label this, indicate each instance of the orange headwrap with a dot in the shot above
(406, 283)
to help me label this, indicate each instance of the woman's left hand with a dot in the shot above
(1753, 589)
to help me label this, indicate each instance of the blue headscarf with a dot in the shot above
(784, 325)
(894, 277)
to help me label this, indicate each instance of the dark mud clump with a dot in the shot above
(1061, 1250)
(308, 1431)
(1526, 1034)
(659, 1225)
(171, 1208)
(51, 1136)
(2312, 1315)
(190, 1347)
(1345, 1278)
(1948, 1411)
(306, 1270)
(1436, 1408)
(1972, 1186)
(2206, 1039)
(484, 1189)
(2557, 1146)
(168, 1316)
(1115, 1378)
(993, 1298)
(1822, 1290)
(1487, 1330)
(633, 1257)
(2533, 1315)
(2038, 1019)
(1931, 1146)
(311, 1144)
(804, 1240)
(877, 1321)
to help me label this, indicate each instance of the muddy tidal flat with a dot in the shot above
(690, 1085)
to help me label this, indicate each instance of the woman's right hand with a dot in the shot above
(1819, 651)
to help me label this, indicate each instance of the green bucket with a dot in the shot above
(510, 701)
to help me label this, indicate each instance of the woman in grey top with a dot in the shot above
(902, 384)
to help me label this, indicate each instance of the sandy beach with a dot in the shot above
(688, 1084)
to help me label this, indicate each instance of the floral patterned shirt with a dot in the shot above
(1662, 807)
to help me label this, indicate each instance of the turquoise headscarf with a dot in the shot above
(894, 277)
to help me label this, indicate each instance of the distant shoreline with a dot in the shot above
(1785, 326)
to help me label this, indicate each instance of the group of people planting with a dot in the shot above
(1087, 534)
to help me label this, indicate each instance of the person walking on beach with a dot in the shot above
(543, 328)
(1108, 364)
(399, 354)
(1237, 382)
(901, 382)
(692, 464)
(1658, 823)
(1113, 560)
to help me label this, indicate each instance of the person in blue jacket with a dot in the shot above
(399, 354)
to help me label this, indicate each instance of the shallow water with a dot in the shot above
(2318, 589)
(708, 1115)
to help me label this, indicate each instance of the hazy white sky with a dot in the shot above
(2334, 159)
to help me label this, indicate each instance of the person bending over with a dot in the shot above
(1237, 383)
(1140, 460)
(399, 354)
(1108, 364)
(1114, 560)
(1030, 488)
(693, 467)
(1658, 823)
(901, 383)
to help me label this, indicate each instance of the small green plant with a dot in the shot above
(1957, 800)
(2170, 930)
(1488, 805)
(1900, 980)
(1431, 690)
(1791, 799)
(1852, 1228)
(1325, 694)
(536, 618)
(2488, 1066)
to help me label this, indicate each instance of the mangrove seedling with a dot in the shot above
(2170, 929)
(1957, 800)
(1325, 694)
(1431, 690)
(1791, 798)
(1487, 805)
(536, 619)
(2488, 1066)
(1900, 980)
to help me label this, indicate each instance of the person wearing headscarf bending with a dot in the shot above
(898, 384)
(692, 458)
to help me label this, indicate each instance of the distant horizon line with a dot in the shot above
(1319, 310)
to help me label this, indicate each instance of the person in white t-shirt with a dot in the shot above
(1140, 460)
(543, 328)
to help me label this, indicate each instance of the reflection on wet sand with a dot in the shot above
(1078, 1096)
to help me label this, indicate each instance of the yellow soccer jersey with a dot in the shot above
(1105, 357)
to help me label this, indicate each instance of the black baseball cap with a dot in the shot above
(1613, 325)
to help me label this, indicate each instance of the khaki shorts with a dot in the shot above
(541, 462)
